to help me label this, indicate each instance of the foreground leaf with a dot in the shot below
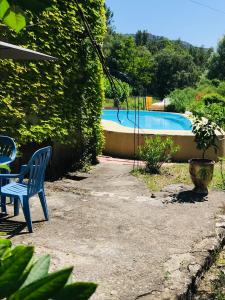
(77, 291)
(15, 19)
(39, 270)
(44, 288)
(4, 245)
(4, 6)
(13, 270)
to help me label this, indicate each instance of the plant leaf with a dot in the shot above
(39, 270)
(4, 245)
(43, 288)
(77, 291)
(13, 269)
(5, 167)
(15, 19)
(4, 6)
(35, 6)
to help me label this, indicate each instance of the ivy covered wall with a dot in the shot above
(58, 100)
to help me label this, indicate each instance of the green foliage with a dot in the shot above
(200, 56)
(59, 100)
(156, 151)
(142, 38)
(109, 19)
(180, 99)
(205, 134)
(128, 62)
(23, 277)
(213, 98)
(154, 65)
(35, 6)
(173, 69)
(13, 16)
(217, 62)
(122, 88)
(206, 100)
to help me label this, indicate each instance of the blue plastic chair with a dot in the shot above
(7, 156)
(22, 191)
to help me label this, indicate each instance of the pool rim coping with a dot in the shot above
(112, 126)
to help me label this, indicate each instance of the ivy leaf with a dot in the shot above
(15, 18)
(35, 6)
(5, 167)
(4, 6)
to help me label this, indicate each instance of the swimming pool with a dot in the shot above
(149, 119)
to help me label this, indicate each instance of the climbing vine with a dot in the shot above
(56, 100)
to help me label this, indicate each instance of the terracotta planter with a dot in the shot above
(201, 171)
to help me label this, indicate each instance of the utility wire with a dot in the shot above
(207, 6)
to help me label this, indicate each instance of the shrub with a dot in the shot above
(180, 100)
(221, 88)
(213, 112)
(213, 98)
(123, 89)
(24, 277)
(156, 151)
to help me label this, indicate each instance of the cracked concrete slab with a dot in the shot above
(111, 229)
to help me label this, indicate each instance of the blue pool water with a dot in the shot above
(149, 119)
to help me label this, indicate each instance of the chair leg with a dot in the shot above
(3, 205)
(3, 198)
(16, 206)
(26, 212)
(44, 204)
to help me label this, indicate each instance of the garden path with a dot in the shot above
(135, 245)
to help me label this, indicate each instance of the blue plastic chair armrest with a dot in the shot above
(9, 175)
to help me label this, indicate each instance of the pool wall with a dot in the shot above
(119, 142)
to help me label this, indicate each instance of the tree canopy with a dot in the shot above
(154, 65)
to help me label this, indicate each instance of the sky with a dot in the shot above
(199, 22)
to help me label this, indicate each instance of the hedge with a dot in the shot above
(61, 100)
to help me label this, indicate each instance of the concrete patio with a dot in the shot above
(135, 245)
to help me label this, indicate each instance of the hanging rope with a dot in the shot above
(112, 81)
(100, 55)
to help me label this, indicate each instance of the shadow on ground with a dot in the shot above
(10, 227)
(75, 177)
(189, 197)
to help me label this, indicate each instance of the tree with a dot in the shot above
(129, 63)
(141, 38)
(217, 62)
(173, 69)
(200, 55)
(158, 44)
(109, 19)
(138, 38)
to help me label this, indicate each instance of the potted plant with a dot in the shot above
(201, 169)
